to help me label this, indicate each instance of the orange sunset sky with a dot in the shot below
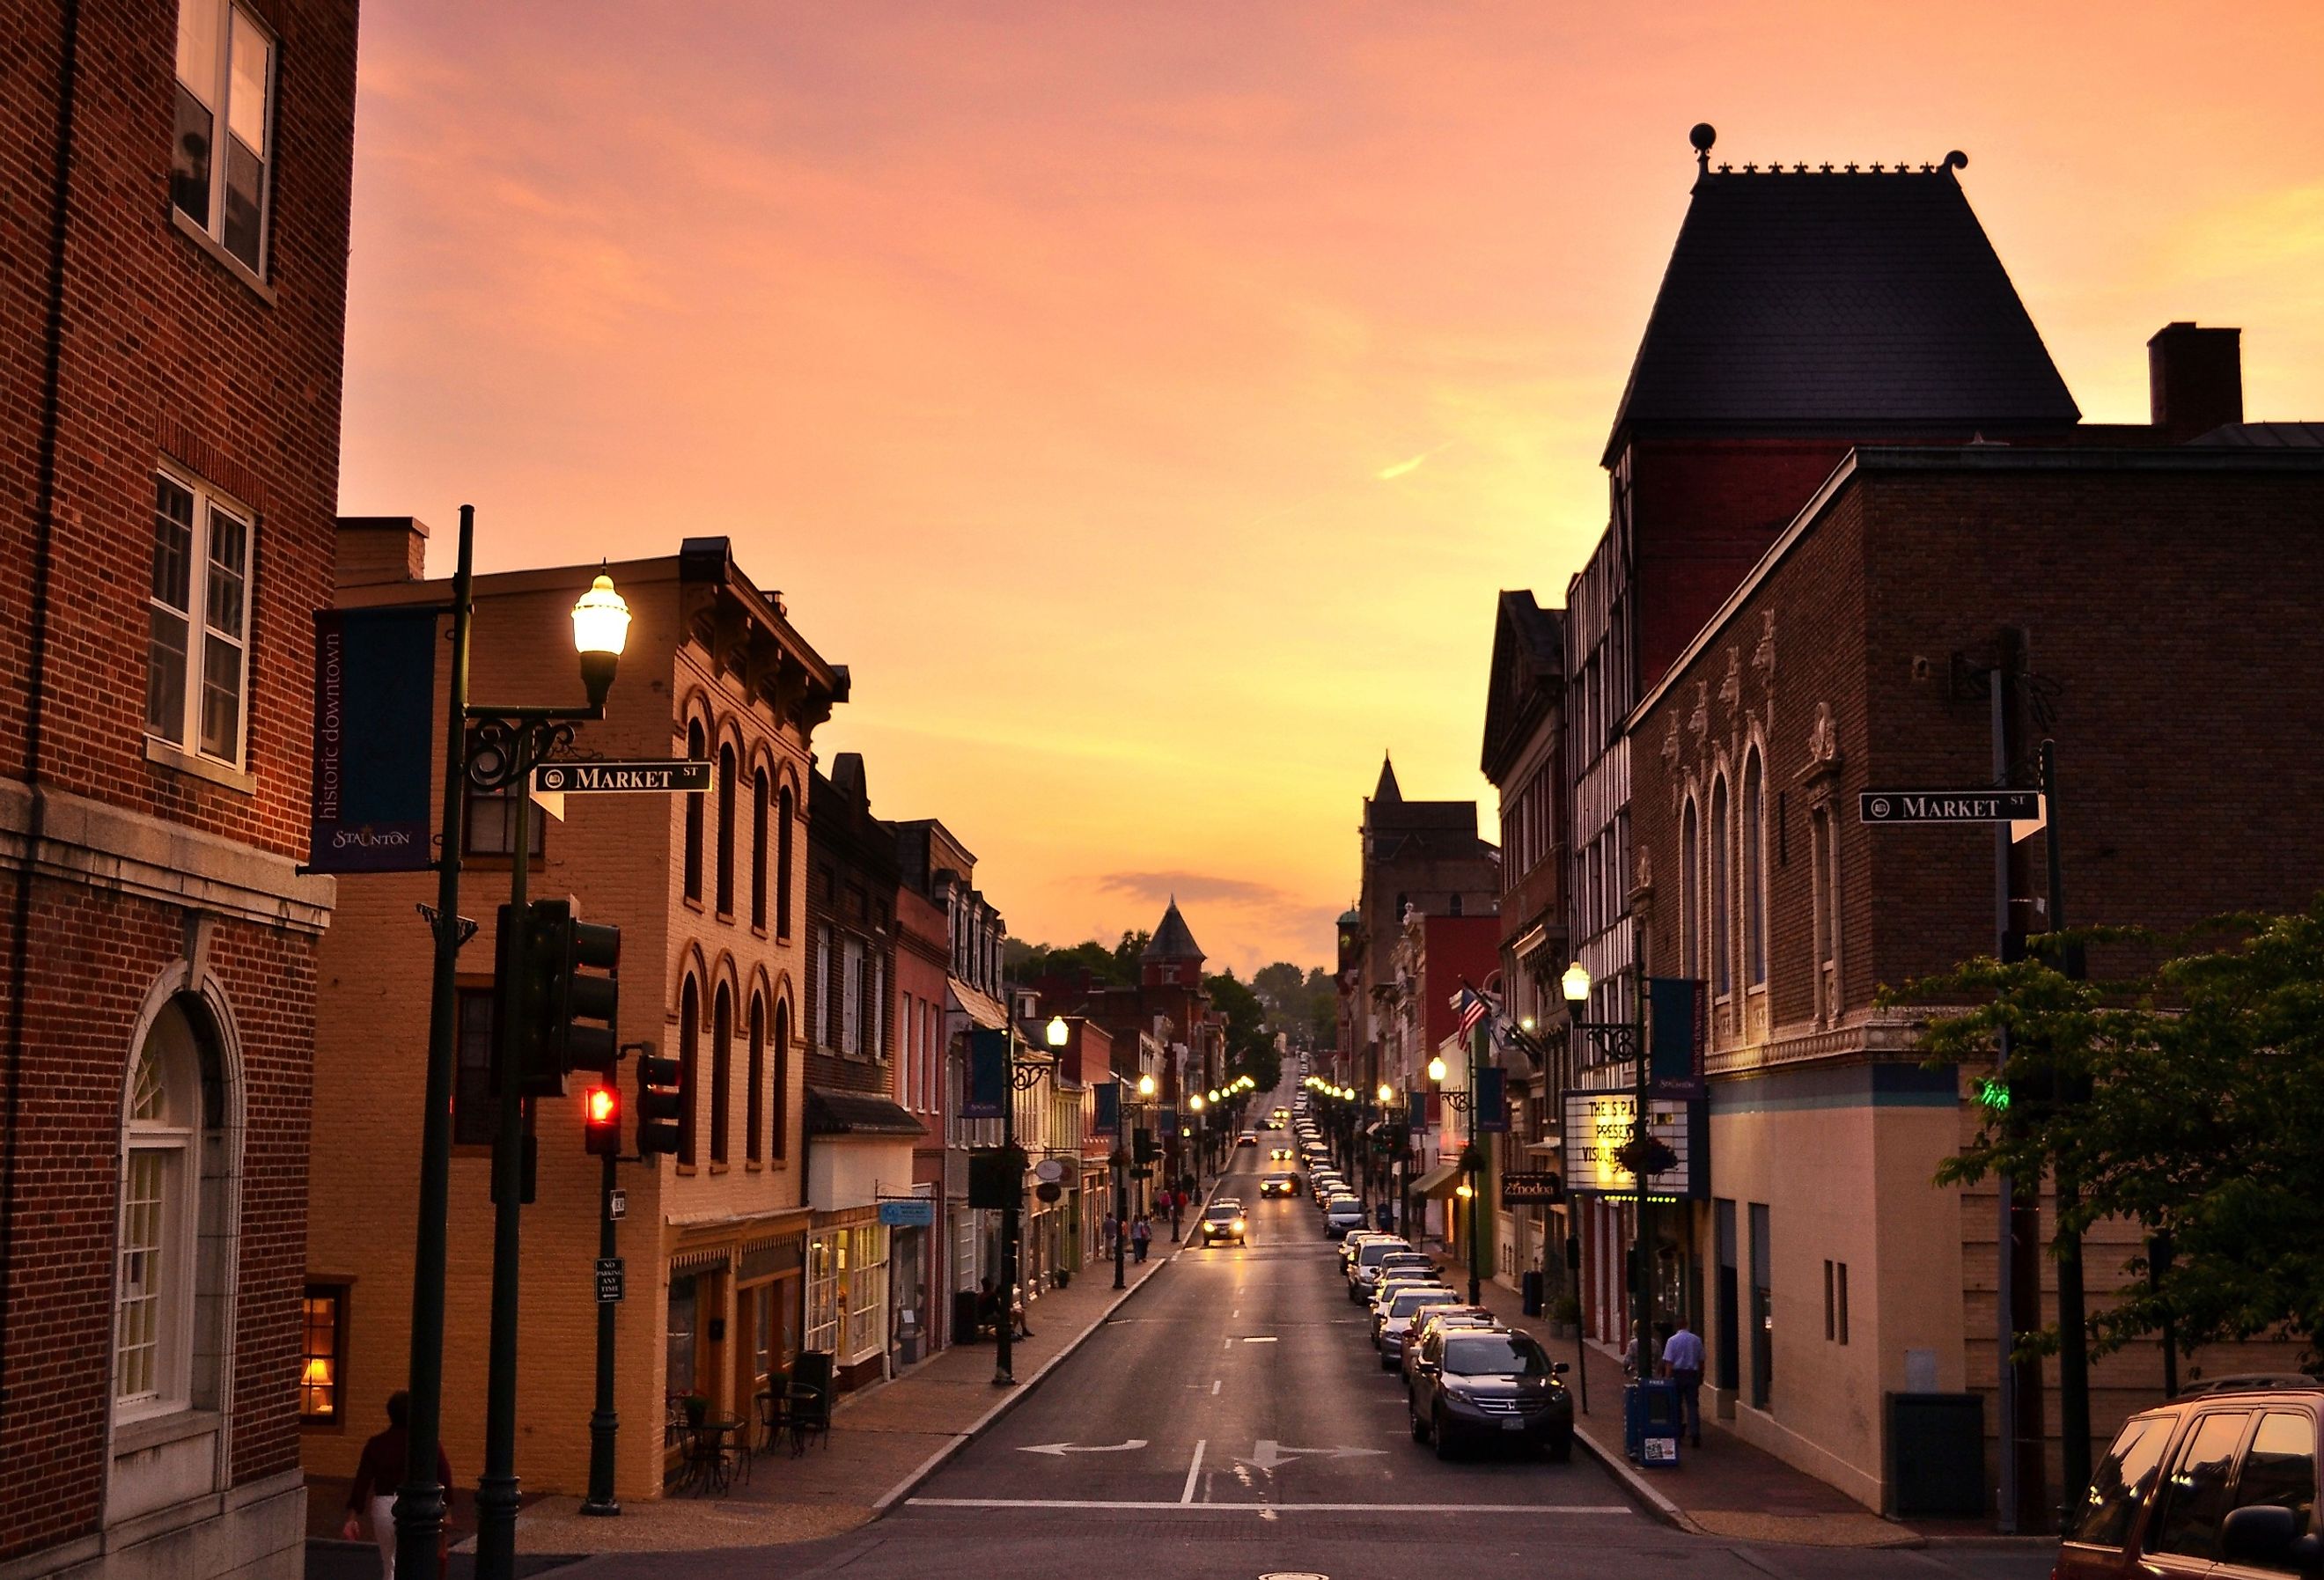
(1146, 400)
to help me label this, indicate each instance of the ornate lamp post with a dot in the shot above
(1472, 1155)
(1023, 1076)
(486, 748)
(1617, 1040)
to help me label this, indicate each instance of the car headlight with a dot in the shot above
(1237, 1226)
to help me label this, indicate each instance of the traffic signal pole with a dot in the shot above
(603, 1422)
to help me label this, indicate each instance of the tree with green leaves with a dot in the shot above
(1250, 1044)
(2189, 1100)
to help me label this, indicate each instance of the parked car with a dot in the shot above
(1434, 1318)
(2226, 1474)
(1364, 1277)
(1358, 1238)
(1368, 1256)
(1343, 1216)
(1471, 1388)
(1393, 1321)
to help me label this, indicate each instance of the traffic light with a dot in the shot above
(662, 1097)
(570, 954)
(601, 1119)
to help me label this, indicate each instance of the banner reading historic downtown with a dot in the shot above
(374, 740)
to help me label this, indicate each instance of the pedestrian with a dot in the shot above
(1140, 1234)
(1682, 1365)
(1113, 1232)
(1178, 1208)
(988, 1307)
(381, 1469)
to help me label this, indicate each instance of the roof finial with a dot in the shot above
(1703, 135)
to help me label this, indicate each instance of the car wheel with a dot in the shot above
(1444, 1438)
(1560, 1447)
(1419, 1427)
(1386, 1364)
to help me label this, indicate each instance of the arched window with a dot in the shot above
(697, 749)
(784, 813)
(722, 1069)
(727, 786)
(754, 1106)
(1723, 891)
(778, 1086)
(154, 1304)
(759, 850)
(690, 1064)
(1755, 874)
(1690, 890)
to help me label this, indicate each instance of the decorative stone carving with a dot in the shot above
(1823, 740)
(1670, 741)
(1730, 688)
(1645, 868)
(1763, 656)
(1699, 720)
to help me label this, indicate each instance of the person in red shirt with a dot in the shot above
(379, 1472)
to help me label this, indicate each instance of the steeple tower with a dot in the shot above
(1386, 790)
(1172, 957)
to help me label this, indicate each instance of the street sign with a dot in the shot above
(617, 1204)
(1049, 1190)
(610, 1280)
(918, 1212)
(1541, 1184)
(1948, 806)
(1049, 1171)
(653, 776)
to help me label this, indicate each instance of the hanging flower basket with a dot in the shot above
(1645, 1156)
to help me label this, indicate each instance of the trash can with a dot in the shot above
(1532, 1286)
(1650, 1424)
(908, 1339)
(964, 1315)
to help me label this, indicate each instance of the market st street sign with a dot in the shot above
(679, 776)
(1948, 806)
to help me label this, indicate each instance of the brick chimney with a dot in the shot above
(2195, 378)
(372, 549)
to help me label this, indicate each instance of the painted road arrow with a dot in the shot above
(1270, 1453)
(1063, 1448)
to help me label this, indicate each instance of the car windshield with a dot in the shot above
(1396, 1260)
(1222, 1212)
(1346, 1209)
(1494, 1354)
(1412, 1300)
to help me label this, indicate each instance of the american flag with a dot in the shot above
(1473, 1007)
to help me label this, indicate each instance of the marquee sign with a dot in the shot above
(1598, 1124)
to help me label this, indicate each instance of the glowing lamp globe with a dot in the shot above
(601, 629)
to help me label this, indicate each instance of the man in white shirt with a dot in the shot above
(1682, 1365)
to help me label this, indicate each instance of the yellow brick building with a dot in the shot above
(708, 891)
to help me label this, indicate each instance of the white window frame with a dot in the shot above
(875, 1009)
(208, 505)
(822, 986)
(211, 82)
(851, 996)
(166, 1290)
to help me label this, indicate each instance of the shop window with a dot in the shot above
(322, 1355)
(490, 825)
(474, 1111)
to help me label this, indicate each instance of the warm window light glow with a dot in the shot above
(1436, 1070)
(1576, 982)
(1525, 1023)
(601, 620)
(319, 1373)
(1058, 1031)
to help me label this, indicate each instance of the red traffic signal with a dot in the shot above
(601, 1119)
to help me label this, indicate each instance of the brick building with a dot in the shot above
(1833, 668)
(860, 1141)
(1432, 958)
(710, 892)
(1524, 757)
(917, 1290)
(1170, 1002)
(173, 212)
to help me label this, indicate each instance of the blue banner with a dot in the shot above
(1418, 1118)
(1674, 1033)
(1109, 1109)
(374, 740)
(1491, 1098)
(1169, 1125)
(987, 1097)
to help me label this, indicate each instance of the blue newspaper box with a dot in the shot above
(1650, 1424)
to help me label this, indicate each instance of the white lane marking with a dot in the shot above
(1193, 1471)
(1263, 1509)
(1263, 1339)
(1270, 1453)
(1064, 1448)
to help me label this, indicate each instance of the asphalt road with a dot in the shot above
(1232, 1420)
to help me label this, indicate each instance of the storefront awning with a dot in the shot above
(857, 1113)
(1439, 1181)
(979, 1007)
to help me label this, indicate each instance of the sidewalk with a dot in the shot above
(1726, 1487)
(883, 1439)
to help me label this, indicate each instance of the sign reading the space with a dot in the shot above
(1598, 1125)
(1948, 806)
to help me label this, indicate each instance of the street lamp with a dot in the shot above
(1472, 1153)
(1057, 1031)
(1618, 1039)
(489, 748)
(1022, 1077)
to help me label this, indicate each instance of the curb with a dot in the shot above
(1634, 1482)
(885, 1505)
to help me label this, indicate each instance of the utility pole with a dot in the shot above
(2073, 1335)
